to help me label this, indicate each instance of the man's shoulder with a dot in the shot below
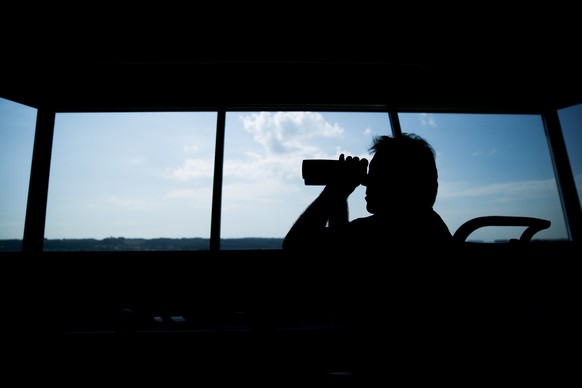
(371, 220)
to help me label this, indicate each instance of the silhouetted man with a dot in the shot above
(401, 188)
(379, 268)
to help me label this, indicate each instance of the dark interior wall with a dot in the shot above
(296, 53)
(490, 310)
(449, 84)
(77, 289)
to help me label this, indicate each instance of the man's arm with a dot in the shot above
(329, 209)
(311, 224)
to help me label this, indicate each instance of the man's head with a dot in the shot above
(402, 174)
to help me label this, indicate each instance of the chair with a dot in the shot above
(532, 224)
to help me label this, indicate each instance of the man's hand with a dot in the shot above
(350, 173)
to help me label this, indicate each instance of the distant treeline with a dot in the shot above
(143, 244)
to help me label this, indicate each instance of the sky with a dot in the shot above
(150, 175)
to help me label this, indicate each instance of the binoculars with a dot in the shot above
(319, 172)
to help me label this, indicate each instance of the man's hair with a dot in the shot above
(412, 159)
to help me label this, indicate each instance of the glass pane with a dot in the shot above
(17, 126)
(491, 165)
(263, 191)
(571, 123)
(131, 181)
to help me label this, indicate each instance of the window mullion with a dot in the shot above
(564, 176)
(217, 185)
(33, 238)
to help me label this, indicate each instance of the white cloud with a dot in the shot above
(192, 169)
(130, 203)
(264, 192)
(517, 190)
(191, 148)
(286, 138)
(202, 194)
(285, 131)
(427, 119)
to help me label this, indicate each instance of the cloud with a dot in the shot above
(515, 190)
(265, 191)
(280, 132)
(427, 120)
(285, 139)
(130, 203)
(191, 148)
(201, 195)
(193, 169)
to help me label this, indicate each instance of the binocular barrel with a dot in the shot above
(319, 172)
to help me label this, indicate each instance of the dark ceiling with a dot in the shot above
(113, 77)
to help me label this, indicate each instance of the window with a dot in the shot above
(263, 191)
(571, 123)
(144, 181)
(118, 176)
(492, 165)
(17, 125)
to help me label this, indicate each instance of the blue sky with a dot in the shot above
(150, 174)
